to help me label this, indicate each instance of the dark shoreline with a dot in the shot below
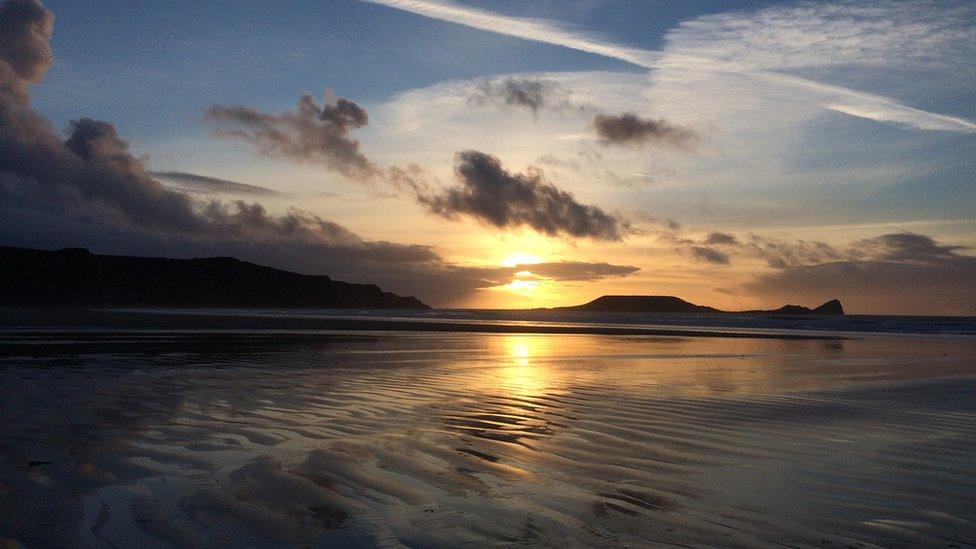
(87, 319)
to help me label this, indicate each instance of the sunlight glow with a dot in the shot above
(524, 374)
(520, 258)
(521, 286)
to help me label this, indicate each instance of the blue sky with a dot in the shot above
(814, 122)
(119, 57)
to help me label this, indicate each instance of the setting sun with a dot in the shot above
(520, 258)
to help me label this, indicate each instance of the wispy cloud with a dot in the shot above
(763, 45)
(537, 30)
(526, 93)
(205, 184)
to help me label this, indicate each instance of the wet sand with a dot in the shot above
(202, 438)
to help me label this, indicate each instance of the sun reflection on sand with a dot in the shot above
(522, 373)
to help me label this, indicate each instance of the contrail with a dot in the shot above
(847, 101)
(537, 30)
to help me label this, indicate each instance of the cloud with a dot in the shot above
(577, 270)
(762, 46)
(558, 271)
(191, 182)
(630, 129)
(89, 190)
(309, 134)
(709, 255)
(456, 282)
(906, 247)
(796, 48)
(528, 29)
(780, 254)
(487, 191)
(721, 239)
(901, 273)
(493, 195)
(521, 92)
(25, 50)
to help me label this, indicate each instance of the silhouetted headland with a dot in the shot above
(671, 304)
(77, 277)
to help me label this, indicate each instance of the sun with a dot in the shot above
(520, 258)
(523, 287)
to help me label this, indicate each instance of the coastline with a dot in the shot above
(244, 320)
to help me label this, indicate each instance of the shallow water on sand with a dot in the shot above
(269, 438)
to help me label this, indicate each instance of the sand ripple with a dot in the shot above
(264, 439)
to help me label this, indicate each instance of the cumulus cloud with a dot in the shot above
(521, 92)
(493, 195)
(25, 51)
(486, 192)
(630, 129)
(87, 189)
(203, 184)
(709, 255)
(900, 273)
(721, 239)
(308, 134)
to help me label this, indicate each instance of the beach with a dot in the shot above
(269, 436)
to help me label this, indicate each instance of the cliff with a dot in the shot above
(76, 277)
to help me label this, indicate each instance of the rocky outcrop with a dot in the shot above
(671, 304)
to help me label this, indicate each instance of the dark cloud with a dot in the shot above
(92, 169)
(902, 273)
(493, 195)
(709, 255)
(630, 129)
(705, 251)
(86, 189)
(720, 239)
(906, 247)
(203, 184)
(309, 134)
(89, 191)
(25, 51)
(779, 254)
(527, 93)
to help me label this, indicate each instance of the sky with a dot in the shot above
(509, 154)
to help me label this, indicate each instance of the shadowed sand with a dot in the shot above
(445, 439)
